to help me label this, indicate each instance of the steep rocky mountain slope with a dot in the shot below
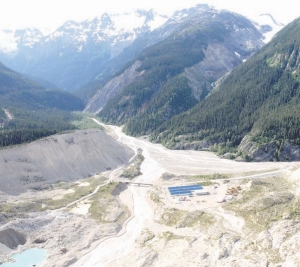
(77, 51)
(171, 76)
(255, 109)
(265, 23)
(131, 52)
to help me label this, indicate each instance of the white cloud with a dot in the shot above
(52, 13)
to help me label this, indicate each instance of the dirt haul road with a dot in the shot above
(159, 160)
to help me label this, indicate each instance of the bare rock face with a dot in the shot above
(219, 60)
(113, 87)
(12, 238)
(62, 157)
(270, 151)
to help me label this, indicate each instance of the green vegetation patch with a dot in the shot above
(274, 61)
(206, 183)
(79, 192)
(134, 169)
(197, 218)
(12, 210)
(213, 176)
(168, 236)
(84, 121)
(125, 214)
(179, 218)
(155, 196)
(266, 201)
(172, 217)
(20, 209)
(146, 237)
(105, 207)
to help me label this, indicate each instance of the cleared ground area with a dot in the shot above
(62, 157)
(104, 221)
(163, 231)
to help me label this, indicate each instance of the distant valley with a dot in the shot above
(156, 74)
(127, 73)
(105, 123)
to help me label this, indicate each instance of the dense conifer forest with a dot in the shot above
(261, 97)
(36, 112)
(164, 91)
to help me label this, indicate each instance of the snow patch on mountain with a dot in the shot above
(184, 14)
(267, 25)
(127, 22)
(106, 27)
(111, 28)
(11, 38)
(8, 42)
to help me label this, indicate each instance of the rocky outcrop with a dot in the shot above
(220, 59)
(113, 87)
(217, 62)
(271, 151)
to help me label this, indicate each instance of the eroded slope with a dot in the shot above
(64, 157)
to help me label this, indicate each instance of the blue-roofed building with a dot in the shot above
(184, 190)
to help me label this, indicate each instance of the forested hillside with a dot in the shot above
(35, 111)
(162, 62)
(259, 99)
(165, 89)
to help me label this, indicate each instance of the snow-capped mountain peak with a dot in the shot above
(11, 38)
(114, 28)
(181, 15)
(93, 43)
(128, 22)
(8, 41)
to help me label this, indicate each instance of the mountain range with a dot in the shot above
(78, 53)
(200, 46)
(254, 112)
(200, 79)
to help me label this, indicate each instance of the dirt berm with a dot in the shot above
(11, 238)
(62, 157)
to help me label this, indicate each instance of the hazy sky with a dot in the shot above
(52, 13)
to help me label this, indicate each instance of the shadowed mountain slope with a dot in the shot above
(29, 111)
